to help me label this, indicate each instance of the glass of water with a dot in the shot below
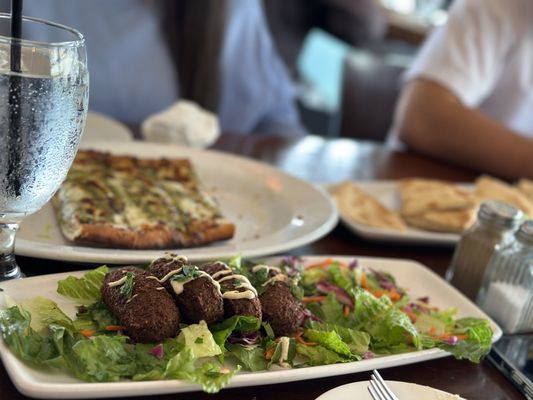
(43, 106)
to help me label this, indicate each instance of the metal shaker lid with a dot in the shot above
(499, 213)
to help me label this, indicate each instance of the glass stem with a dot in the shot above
(8, 266)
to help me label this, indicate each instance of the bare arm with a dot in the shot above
(430, 119)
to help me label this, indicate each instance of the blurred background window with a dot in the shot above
(346, 57)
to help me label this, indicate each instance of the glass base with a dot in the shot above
(9, 268)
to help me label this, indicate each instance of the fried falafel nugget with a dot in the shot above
(240, 297)
(141, 304)
(197, 295)
(281, 309)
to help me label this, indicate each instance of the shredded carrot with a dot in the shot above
(412, 316)
(364, 281)
(346, 311)
(115, 328)
(301, 340)
(447, 335)
(432, 330)
(313, 299)
(394, 295)
(376, 292)
(87, 332)
(322, 264)
(270, 353)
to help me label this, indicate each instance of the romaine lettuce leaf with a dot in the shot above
(199, 340)
(95, 317)
(45, 312)
(357, 341)
(318, 355)
(22, 340)
(252, 358)
(85, 289)
(330, 340)
(238, 323)
(478, 343)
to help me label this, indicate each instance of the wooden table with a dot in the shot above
(328, 161)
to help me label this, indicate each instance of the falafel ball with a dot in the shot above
(199, 298)
(281, 309)
(243, 306)
(147, 311)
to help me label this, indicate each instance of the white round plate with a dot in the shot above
(273, 211)
(403, 390)
(99, 127)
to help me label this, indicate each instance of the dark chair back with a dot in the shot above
(371, 84)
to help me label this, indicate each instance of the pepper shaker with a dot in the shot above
(495, 225)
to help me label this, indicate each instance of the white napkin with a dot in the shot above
(183, 123)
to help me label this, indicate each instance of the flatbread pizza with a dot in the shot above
(128, 202)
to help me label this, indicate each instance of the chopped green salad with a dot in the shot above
(351, 313)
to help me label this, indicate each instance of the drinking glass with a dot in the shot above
(43, 106)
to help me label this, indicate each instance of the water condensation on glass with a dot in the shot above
(51, 108)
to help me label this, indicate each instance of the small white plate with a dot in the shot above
(100, 127)
(387, 193)
(273, 211)
(411, 275)
(404, 391)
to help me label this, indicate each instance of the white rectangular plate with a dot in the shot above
(387, 193)
(416, 278)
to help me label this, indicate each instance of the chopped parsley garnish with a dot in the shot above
(127, 287)
(199, 340)
(187, 273)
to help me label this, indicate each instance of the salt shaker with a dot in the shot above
(506, 292)
(495, 225)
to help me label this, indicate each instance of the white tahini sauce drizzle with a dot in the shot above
(222, 273)
(178, 286)
(267, 267)
(170, 257)
(284, 356)
(119, 282)
(132, 297)
(170, 274)
(276, 278)
(249, 293)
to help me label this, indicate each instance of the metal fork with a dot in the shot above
(378, 389)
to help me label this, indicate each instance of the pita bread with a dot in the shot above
(525, 186)
(365, 209)
(489, 188)
(423, 195)
(455, 221)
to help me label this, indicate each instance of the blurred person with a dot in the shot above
(468, 97)
(358, 23)
(144, 55)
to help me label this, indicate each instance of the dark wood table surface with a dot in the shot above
(329, 161)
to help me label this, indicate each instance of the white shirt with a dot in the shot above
(484, 55)
(132, 74)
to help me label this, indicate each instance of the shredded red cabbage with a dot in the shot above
(452, 340)
(340, 293)
(246, 339)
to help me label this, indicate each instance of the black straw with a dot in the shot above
(15, 106)
(16, 32)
